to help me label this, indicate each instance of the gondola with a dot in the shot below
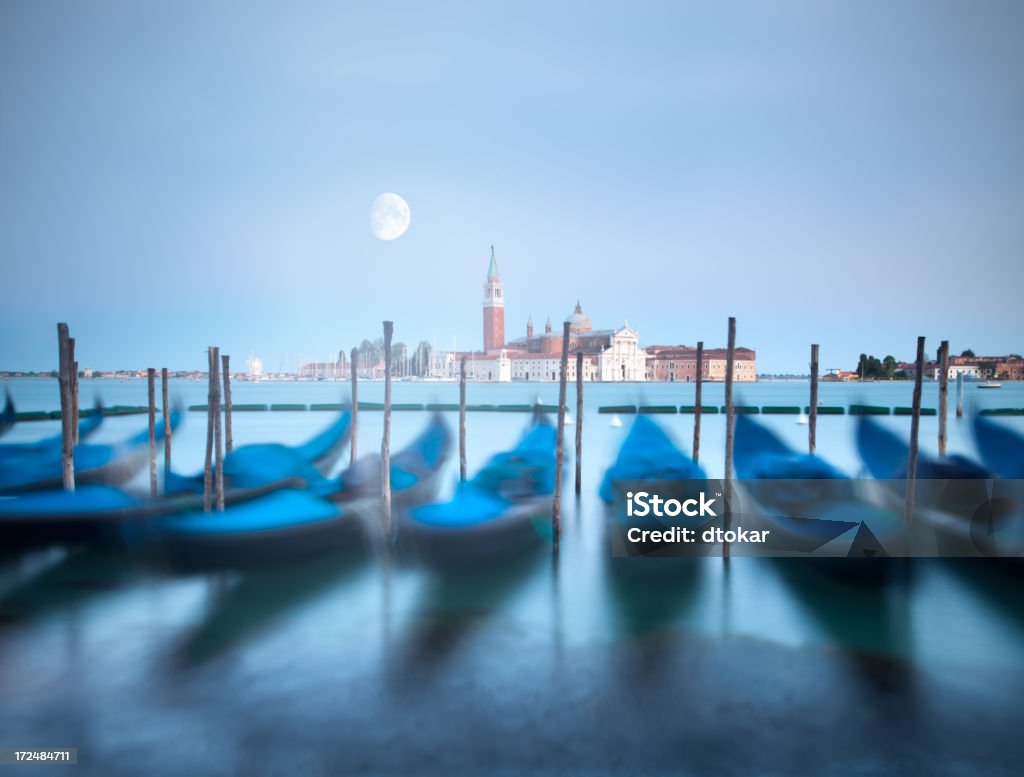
(251, 466)
(948, 491)
(886, 454)
(95, 514)
(296, 522)
(1002, 530)
(13, 452)
(283, 525)
(415, 470)
(806, 502)
(648, 453)
(499, 515)
(8, 417)
(108, 464)
(1001, 448)
(650, 458)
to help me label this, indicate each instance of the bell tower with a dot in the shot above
(494, 308)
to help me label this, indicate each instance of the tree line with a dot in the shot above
(870, 367)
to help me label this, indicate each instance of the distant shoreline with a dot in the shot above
(244, 378)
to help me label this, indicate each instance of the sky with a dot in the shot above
(178, 175)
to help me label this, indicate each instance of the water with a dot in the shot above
(558, 667)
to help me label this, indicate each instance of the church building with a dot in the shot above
(608, 354)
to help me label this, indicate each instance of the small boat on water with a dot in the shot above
(807, 502)
(282, 525)
(990, 384)
(11, 452)
(1001, 448)
(108, 464)
(105, 514)
(501, 513)
(95, 514)
(949, 490)
(648, 457)
(886, 455)
(414, 470)
(252, 466)
(293, 522)
(648, 453)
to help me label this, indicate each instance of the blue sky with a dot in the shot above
(174, 175)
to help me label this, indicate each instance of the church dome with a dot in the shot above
(578, 321)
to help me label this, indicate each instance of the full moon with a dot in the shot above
(389, 216)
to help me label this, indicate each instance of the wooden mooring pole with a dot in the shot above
(959, 394)
(697, 399)
(74, 389)
(355, 404)
(67, 436)
(556, 507)
(208, 461)
(812, 422)
(218, 439)
(730, 428)
(462, 419)
(164, 392)
(915, 423)
(579, 422)
(74, 398)
(229, 442)
(943, 393)
(385, 443)
(151, 386)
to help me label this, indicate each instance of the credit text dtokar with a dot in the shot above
(641, 504)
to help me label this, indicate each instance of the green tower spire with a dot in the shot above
(492, 271)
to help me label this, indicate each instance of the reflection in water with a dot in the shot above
(650, 594)
(454, 603)
(557, 618)
(997, 581)
(860, 614)
(245, 606)
(649, 597)
(865, 615)
(75, 578)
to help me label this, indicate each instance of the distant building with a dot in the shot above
(442, 365)
(987, 367)
(678, 363)
(1009, 368)
(969, 371)
(494, 308)
(910, 368)
(839, 376)
(547, 368)
(609, 354)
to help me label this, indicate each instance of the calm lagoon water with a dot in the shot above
(558, 666)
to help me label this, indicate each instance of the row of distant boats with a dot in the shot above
(281, 503)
